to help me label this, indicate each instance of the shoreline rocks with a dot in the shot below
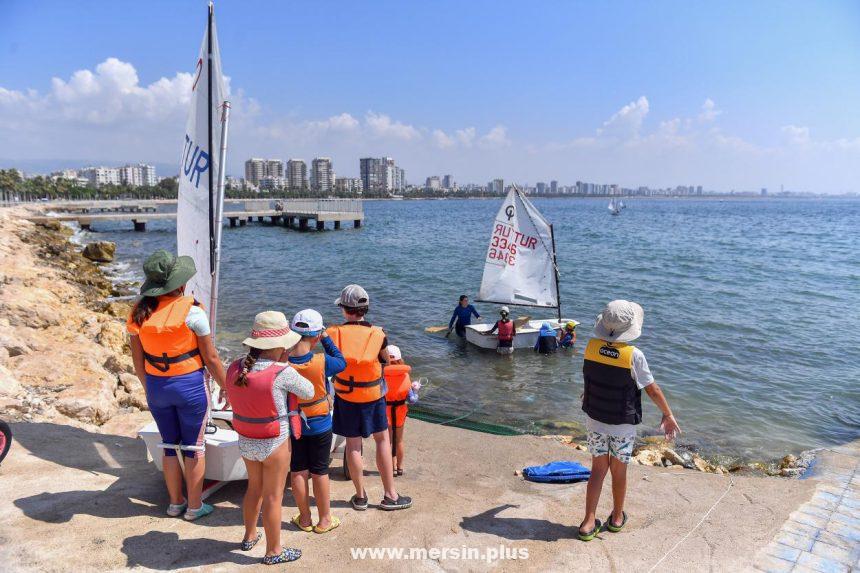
(100, 251)
(63, 349)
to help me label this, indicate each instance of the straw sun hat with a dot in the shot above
(271, 330)
(620, 321)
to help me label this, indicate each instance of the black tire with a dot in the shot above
(5, 439)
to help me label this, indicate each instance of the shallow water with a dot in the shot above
(751, 307)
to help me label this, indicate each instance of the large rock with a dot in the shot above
(100, 251)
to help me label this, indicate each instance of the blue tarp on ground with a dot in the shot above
(557, 472)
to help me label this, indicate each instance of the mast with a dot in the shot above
(555, 266)
(211, 143)
(219, 213)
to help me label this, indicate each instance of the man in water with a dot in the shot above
(462, 316)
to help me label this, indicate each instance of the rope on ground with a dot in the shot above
(695, 527)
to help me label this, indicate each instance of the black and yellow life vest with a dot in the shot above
(611, 394)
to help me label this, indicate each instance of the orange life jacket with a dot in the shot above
(314, 371)
(398, 382)
(362, 380)
(169, 346)
(255, 414)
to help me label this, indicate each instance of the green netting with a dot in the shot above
(460, 422)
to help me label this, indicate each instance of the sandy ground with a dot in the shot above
(84, 501)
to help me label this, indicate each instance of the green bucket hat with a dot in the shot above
(165, 272)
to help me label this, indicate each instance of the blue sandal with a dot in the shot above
(285, 556)
(249, 545)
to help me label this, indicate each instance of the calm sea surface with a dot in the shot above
(752, 308)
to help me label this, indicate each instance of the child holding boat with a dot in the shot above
(311, 453)
(264, 393)
(171, 342)
(615, 373)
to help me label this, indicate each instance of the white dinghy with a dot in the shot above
(520, 270)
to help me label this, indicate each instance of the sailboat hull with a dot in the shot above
(526, 336)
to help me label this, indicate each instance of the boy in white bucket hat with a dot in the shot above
(615, 373)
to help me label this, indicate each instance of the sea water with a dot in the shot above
(752, 307)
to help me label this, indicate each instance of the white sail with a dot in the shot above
(198, 167)
(520, 267)
(611, 205)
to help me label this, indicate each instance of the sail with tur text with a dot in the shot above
(199, 189)
(520, 265)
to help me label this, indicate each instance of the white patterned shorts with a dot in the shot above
(621, 448)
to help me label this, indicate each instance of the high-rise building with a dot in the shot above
(322, 175)
(448, 182)
(370, 171)
(433, 182)
(553, 187)
(541, 187)
(402, 179)
(255, 169)
(348, 185)
(274, 168)
(98, 176)
(297, 174)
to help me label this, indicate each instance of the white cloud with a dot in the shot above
(626, 122)
(442, 140)
(341, 122)
(709, 111)
(381, 125)
(796, 135)
(495, 138)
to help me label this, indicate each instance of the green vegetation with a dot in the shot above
(57, 188)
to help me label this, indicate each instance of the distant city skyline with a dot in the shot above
(628, 93)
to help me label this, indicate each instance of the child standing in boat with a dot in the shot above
(401, 391)
(615, 374)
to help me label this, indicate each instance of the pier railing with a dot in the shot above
(307, 205)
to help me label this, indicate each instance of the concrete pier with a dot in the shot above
(88, 213)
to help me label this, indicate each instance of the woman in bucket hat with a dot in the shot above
(264, 390)
(615, 373)
(171, 343)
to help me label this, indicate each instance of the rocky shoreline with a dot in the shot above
(63, 350)
(64, 355)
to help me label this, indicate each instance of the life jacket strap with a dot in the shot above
(248, 420)
(314, 403)
(162, 363)
(353, 384)
(395, 402)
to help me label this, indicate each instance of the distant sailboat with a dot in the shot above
(614, 208)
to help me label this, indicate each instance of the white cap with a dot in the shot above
(394, 352)
(307, 322)
(505, 310)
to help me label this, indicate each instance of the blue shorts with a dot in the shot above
(180, 405)
(352, 419)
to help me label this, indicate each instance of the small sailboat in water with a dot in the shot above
(615, 207)
(520, 269)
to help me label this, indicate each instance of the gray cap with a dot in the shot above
(353, 296)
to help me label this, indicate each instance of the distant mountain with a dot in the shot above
(46, 166)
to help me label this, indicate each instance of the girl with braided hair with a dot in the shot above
(261, 386)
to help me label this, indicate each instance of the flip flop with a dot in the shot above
(295, 521)
(248, 545)
(333, 525)
(616, 528)
(591, 534)
(398, 472)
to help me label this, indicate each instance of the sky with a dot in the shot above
(728, 95)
